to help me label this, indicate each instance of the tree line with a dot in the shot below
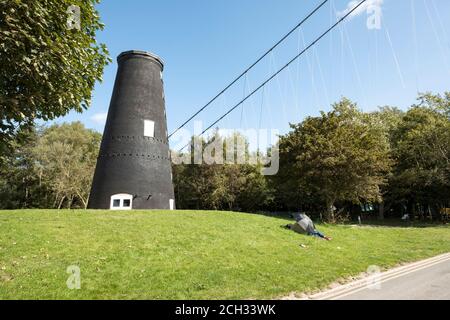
(340, 163)
(49, 168)
(344, 162)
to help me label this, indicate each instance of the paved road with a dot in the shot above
(432, 283)
(425, 280)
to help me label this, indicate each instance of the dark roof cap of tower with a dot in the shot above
(141, 54)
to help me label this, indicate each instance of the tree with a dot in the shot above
(343, 155)
(228, 186)
(437, 102)
(49, 66)
(390, 119)
(20, 187)
(65, 158)
(421, 149)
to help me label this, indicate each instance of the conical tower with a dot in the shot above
(134, 167)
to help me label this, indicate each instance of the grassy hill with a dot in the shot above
(189, 255)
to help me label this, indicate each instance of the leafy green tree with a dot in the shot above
(437, 102)
(217, 186)
(255, 192)
(65, 158)
(390, 119)
(343, 155)
(20, 187)
(49, 65)
(421, 151)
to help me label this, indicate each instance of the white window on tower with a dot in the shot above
(122, 202)
(149, 128)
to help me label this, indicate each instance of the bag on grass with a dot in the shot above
(305, 223)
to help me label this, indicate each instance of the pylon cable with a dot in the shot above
(281, 70)
(250, 68)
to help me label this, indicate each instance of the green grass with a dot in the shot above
(189, 255)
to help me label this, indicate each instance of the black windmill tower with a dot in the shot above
(134, 167)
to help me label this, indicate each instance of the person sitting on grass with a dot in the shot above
(304, 225)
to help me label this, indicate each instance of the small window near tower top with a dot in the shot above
(149, 128)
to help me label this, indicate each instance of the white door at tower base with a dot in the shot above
(121, 202)
(172, 204)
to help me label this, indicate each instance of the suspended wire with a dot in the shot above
(416, 43)
(251, 67)
(322, 77)
(355, 66)
(294, 90)
(281, 70)
(262, 108)
(394, 54)
(243, 95)
(261, 116)
(311, 71)
(444, 30)
(283, 102)
(269, 97)
(342, 51)
(297, 78)
(436, 34)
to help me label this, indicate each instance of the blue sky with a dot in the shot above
(206, 43)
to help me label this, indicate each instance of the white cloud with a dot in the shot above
(99, 118)
(369, 4)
